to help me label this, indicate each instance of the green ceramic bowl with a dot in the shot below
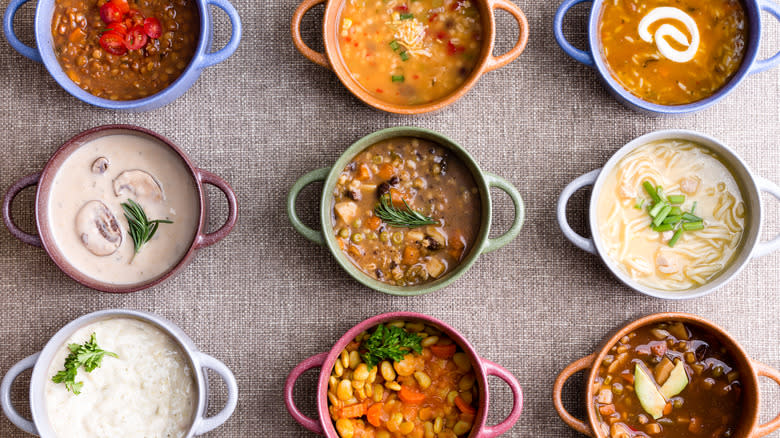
(329, 175)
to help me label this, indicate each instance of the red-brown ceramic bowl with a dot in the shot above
(332, 58)
(45, 237)
(325, 361)
(749, 369)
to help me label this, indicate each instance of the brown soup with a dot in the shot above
(423, 184)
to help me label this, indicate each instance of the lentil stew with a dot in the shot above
(406, 211)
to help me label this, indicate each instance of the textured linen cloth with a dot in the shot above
(265, 298)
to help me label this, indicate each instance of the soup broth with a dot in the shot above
(711, 194)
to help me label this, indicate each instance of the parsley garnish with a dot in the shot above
(88, 356)
(389, 342)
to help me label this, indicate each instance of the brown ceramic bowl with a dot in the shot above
(332, 58)
(45, 236)
(749, 370)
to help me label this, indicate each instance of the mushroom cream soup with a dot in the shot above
(147, 391)
(87, 219)
(671, 215)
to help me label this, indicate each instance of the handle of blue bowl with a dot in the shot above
(517, 224)
(577, 54)
(583, 243)
(210, 423)
(770, 246)
(209, 59)
(311, 177)
(13, 40)
(765, 64)
(5, 394)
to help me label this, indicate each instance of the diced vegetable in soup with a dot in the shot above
(406, 211)
(403, 379)
(668, 380)
(410, 52)
(673, 52)
(671, 215)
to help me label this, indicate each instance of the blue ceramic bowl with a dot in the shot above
(593, 58)
(201, 59)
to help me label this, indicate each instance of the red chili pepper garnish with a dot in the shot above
(113, 43)
(135, 38)
(152, 27)
(110, 13)
(433, 17)
(123, 6)
(402, 8)
(441, 35)
(453, 49)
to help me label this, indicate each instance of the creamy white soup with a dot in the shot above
(148, 391)
(87, 219)
(686, 244)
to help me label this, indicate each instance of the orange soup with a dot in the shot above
(410, 52)
(673, 52)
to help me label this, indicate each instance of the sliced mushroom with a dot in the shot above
(98, 228)
(138, 183)
(100, 165)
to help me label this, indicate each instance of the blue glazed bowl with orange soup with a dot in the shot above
(666, 57)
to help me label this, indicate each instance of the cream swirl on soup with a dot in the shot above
(683, 169)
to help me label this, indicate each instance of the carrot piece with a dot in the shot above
(411, 255)
(628, 377)
(397, 197)
(352, 411)
(607, 410)
(77, 35)
(668, 408)
(374, 414)
(386, 171)
(443, 351)
(463, 406)
(409, 395)
(363, 173)
(373, 223)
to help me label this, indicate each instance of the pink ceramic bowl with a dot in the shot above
(482, 368)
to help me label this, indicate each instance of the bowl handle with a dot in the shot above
(584, 243)
(210, 423)
(573, 368)
(14, 190)
(5, 394)
(311, 177)
(767, 371)
(502, 184)
(207, 239)
(493, 369)
(209, 59)
(10, 35)
(309, 424)
(764, 248)
(494, 62)
(577, 54)
(765, 64)
(295, 29)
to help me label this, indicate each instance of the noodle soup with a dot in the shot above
(711, 212)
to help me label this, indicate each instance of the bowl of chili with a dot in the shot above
(482, 369)
(124, 56)
(711, 385)
(406, 211)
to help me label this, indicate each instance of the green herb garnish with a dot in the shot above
(388, 342)
(408, 218)
(406, 16)
(88, 356)
(394, 45)
(397, 78)
(404, 56)
(141, 229)
(666, 214)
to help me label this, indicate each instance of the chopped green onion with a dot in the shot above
(404, 56)
(394, 45)
(676, 199)
(406, 16)
(397, 78)
(639, 204)
(657, 209)
(660, 191)
(672, 219)
(676, 211)
(662, 215)
(676, 237)
(651, 191)
(663, 227)
(692, 226)
(691, 217)
(693, 207)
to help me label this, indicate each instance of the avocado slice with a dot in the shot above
(676, 382)
(650, 397)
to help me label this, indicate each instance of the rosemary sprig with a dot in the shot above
(140, 229)
(408, 218)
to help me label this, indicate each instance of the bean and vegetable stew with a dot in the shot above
(122, 50)
(410, 52)
(403, 378)
(668, 380)
(406, 211)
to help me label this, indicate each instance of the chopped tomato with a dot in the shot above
(134, 18)
(117, 27)
(113, 43)
(463, 406)
(152, 27)
(123, 6)
(443, 351)
(402, 8)
(374, 414)
(110, 13)
(409, 395)
(135, 38)
(453, 49)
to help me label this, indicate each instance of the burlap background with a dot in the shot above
(265, 298)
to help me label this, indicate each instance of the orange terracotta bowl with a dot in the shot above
(333, 60)
(749, 369)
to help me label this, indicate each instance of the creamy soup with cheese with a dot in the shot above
(671, 215)
(90, 225)
(147, 390)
